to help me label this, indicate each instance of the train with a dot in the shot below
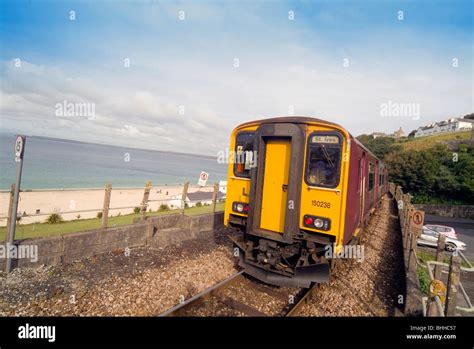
(297, 188)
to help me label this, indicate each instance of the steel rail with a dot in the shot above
(290, 309)
(174, 311)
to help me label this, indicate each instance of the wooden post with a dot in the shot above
(408, 234)
(10, 207)
(144, 204)
(408, 219)
(411, 256)
(453, 285)
(9, 223)
(105, 209)
(398, 193)
(405, 211)
(439, 256)
(403, 216)
(184, 196)
(214, 197)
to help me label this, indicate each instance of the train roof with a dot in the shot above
(307, 119)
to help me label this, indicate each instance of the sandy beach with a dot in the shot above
(67, 200)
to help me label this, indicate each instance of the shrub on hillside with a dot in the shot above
(163, 207)
(54, 218)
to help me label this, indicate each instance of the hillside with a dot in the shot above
(434, 169)
(451, 139)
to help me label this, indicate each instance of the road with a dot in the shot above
(465, 230)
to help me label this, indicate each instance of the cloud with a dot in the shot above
(183, 93)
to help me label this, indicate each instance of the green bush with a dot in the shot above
(434, 175)
(136, 210)
(163, 207)
(198, 204)
(99, 214)
(54, 218)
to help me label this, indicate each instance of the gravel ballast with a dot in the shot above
(146, 282)
(143, 282)
(371, 287)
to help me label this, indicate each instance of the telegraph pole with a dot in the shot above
(19, 151)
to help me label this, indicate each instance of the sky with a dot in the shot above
(180, 75)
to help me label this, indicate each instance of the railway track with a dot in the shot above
(240, 295)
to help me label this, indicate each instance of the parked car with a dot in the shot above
(429, 237)
(448, 231)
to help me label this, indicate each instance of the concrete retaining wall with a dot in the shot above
(456, 211)
(157, 232)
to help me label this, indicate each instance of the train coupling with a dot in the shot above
(302, 276)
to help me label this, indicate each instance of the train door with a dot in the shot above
(275, 185)
(362, 180)
(275, 192)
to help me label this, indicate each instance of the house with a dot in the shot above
(204, 197)
(449, 125)
(398, 134)
(378, 134)
(223, 186)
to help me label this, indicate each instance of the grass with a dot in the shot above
(423, 275)
(194, 211)
(33, 230)
(426, 142)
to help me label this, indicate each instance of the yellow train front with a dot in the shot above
(299, 189)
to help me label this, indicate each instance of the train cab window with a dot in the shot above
(371, 176)
(244, 155)
(323, 162)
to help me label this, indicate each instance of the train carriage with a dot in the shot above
(298, 188)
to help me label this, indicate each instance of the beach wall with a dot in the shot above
(156, 232)
(86, 203)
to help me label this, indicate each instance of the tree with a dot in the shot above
(380, 146)
(434, 175)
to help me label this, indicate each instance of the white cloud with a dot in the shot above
(139, 107)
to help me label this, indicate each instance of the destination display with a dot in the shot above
(325, 139)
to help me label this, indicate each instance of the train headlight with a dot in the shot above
(318, 223)
(240, 207)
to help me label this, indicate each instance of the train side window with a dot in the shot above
(244, 155)
(323, 161)
(371, 176)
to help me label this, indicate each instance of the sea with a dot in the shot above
(51, 163)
